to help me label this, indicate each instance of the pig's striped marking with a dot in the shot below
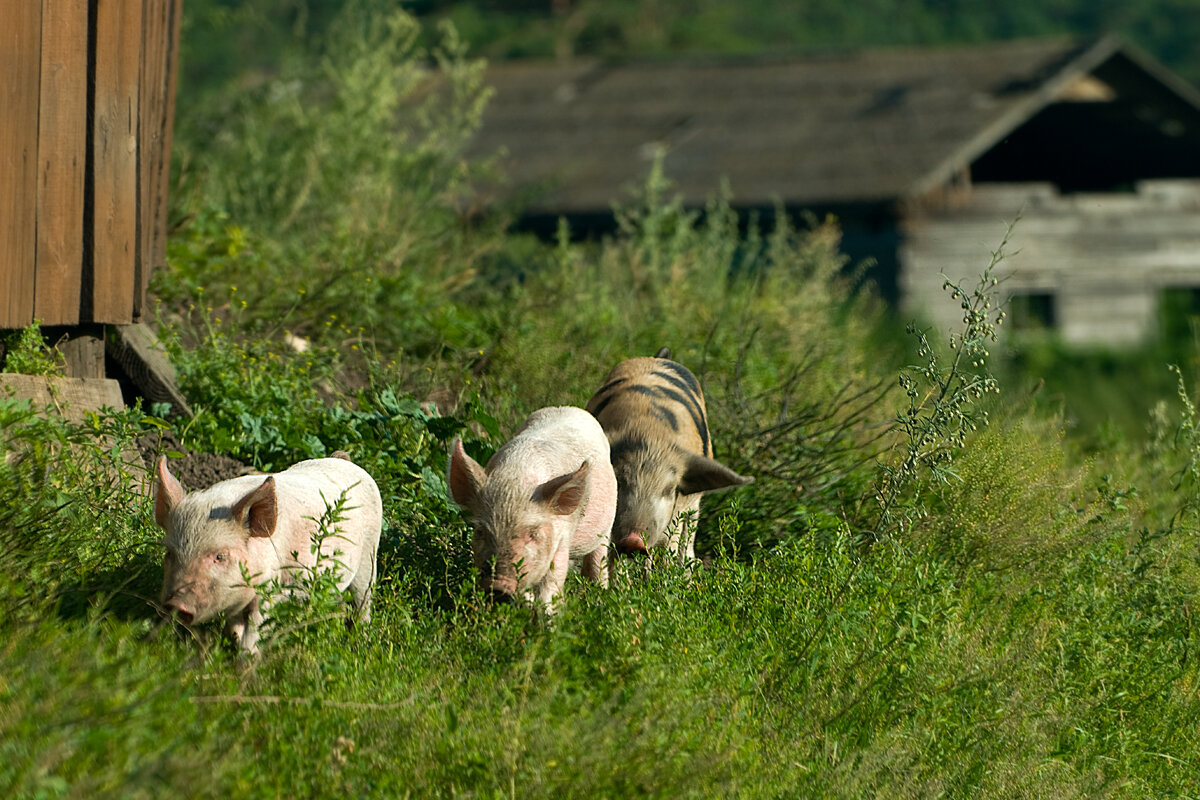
(683, 373)
(666, 415)
(680, 390)
(609, 385)
(627, 446)
(606, 387)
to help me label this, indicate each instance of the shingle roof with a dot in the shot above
(861, 127)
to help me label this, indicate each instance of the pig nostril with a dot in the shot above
(500, 596)
(179, 614)
(632, 544)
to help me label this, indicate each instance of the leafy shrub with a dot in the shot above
(25, 351)
(347, 167)
(769, 324)
(308, 606)
(1014, 501)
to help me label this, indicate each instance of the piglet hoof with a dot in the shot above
(248, 660)
(632, 544)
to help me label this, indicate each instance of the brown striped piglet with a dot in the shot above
(224, 542)
(653, 413)
(546, 497)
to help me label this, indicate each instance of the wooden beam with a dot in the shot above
(162, 223)
(20, 67)
(115, 159)
(141, 357)
(160, 49)
(82, 347)
(61, 159)
(1013, 117)
(71, 398)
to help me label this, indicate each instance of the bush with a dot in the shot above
(25, 352)
(71, 521)
(346, 167)
(1015, 502)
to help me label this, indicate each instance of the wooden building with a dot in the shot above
(87, 90)
(925, 156)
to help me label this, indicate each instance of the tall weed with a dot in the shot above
(349, 169)
(71, 502)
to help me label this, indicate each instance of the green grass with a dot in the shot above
(908, 602)
(812, 668)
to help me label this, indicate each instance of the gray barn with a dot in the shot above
(925, 156)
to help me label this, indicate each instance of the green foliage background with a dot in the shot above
(941, 584)
(225, 36)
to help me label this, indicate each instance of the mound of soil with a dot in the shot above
(194, 470)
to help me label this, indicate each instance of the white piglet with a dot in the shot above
(263, 528)
(547, 497)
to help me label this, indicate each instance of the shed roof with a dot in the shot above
(858, 127)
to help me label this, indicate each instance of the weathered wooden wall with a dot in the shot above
(1104, 257)
(85, 141)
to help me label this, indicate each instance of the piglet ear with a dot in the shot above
(708, 475)
(565, 493)
(464, 475)
(167, 493)
(258, 510)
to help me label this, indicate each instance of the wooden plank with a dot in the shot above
(82, 348)
(160, 31)
(140, 355)
(62, 156)
(162, 207)
(69, 397)
(20, 66)
(115, 156)
(149, 141)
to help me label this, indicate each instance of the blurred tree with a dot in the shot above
(233, 39)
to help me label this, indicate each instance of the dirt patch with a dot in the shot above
(194, 470)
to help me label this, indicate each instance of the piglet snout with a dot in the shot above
(180, 611)
(502, 589)
(632, 544)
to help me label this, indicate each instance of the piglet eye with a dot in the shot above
(534, 534)
(222, 557)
